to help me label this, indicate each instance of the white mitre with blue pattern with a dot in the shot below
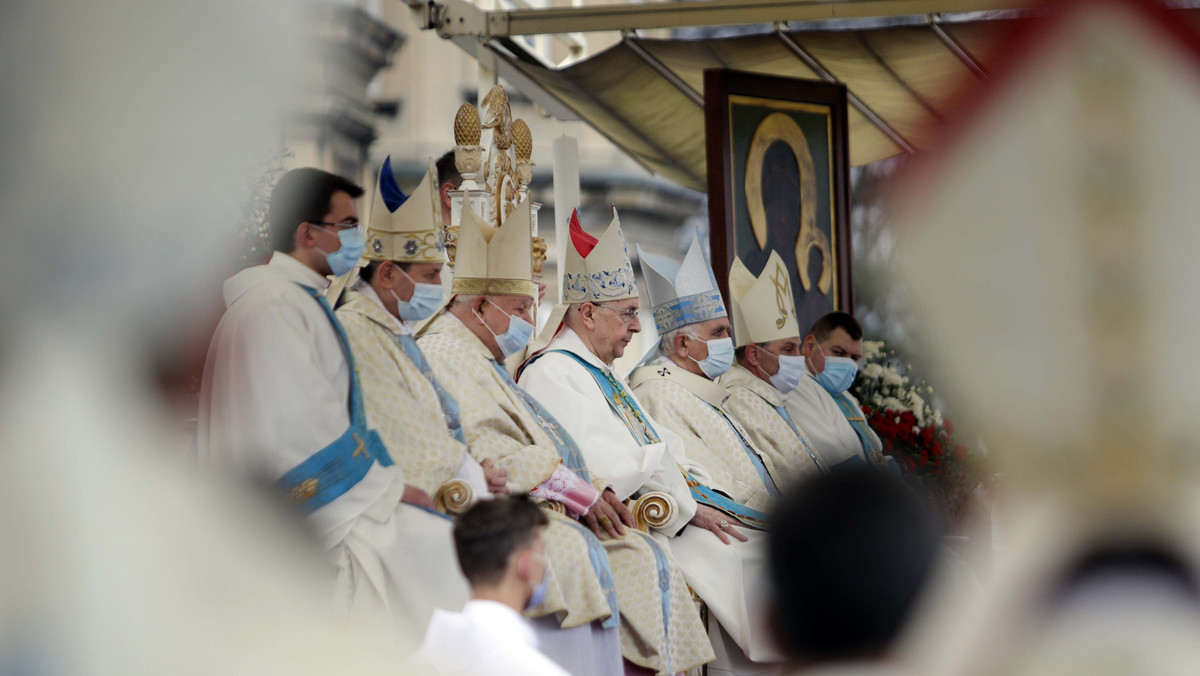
(681, 293)
(597, 270)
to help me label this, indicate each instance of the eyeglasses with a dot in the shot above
(628, 314)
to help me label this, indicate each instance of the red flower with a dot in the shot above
(960, 451)
(948, 426)
(927, 436)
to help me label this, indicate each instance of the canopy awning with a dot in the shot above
(646, 95)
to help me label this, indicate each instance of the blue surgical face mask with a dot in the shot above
(518, 335)
(539, 590)
(425, 300)
(719, 359)
(353, 244)
(838, 375)
(791, 371)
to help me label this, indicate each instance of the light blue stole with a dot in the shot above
(639, 426)
(450, 408)
(327, 474)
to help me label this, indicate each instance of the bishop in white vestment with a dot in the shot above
(573, 379)
(281, 403)
(769, 365)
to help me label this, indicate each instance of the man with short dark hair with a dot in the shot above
(502, 554)
(822, 405)
(282, 403)
(849, 554)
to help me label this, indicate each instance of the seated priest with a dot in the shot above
(420, 420)
(490, 319)
(282, 403)
(822, 405)
(573, 378)
(769, 365)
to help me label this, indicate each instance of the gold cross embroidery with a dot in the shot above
(361, 449)
(783, 294)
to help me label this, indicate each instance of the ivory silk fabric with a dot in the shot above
(400, 401)
(672, 396)
(403, 406)
(731, 579)
(752, 403)
(498, 425)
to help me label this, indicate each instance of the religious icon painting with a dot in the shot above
(778, 180)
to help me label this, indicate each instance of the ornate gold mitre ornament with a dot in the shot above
(468, 154)
(405, 229)
(492, 260)
(681, 293)
(762, 307)
(523, 144)
(597, 270)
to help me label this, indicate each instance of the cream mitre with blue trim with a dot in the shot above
(762, 308)
(681, 293)
(597, 270)
(495, 261)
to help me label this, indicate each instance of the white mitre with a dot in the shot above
(495, 261)
(597, 270)
(762, 308)
(681, 293)
(410, 231)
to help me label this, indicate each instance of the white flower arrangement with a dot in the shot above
(882, 385)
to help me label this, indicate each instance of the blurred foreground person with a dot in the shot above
(850, 553)
(281, 403)
(502, 554)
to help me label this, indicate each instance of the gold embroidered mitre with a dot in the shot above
(405, 229)
(492, 260)
(597, 270)
(762, 307)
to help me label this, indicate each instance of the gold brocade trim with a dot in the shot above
(425, 246)
(497, 287)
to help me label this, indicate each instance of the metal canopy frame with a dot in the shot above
(493, 38)
(460, 17)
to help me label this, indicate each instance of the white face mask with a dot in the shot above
(426, 299)
(791, 371)
(719, 359)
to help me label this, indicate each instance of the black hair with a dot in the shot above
(830, 322)
(447, 171)
(487, 533)
(849, 554)
(367, 273)
(302, 196)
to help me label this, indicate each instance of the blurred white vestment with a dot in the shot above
(276, 387)
(486, 639)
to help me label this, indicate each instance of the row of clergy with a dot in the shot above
(359, 415)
